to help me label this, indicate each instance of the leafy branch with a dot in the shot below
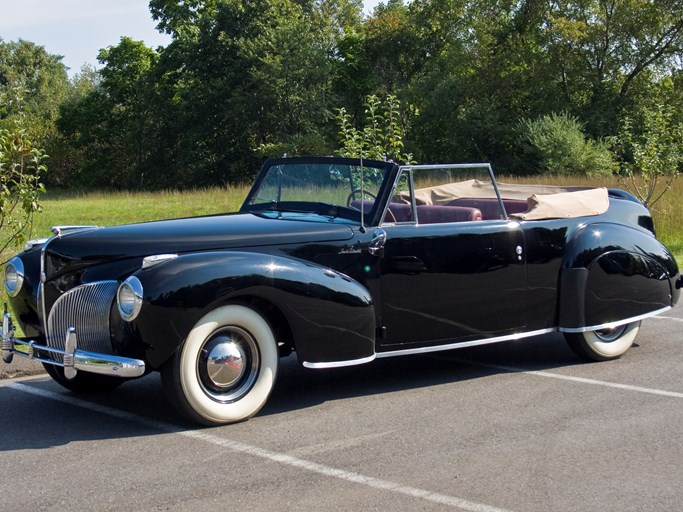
(652, 153)
(381, 137)
(21, 167)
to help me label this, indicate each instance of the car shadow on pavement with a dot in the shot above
(299, 388)
(51, 416)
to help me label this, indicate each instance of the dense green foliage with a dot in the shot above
(557, 86)
(21, 169)
(556, 144)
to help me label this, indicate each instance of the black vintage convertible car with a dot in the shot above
(342, 261)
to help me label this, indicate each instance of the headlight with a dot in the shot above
(129, 298)
(14, 276)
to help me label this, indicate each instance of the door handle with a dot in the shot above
(408, 264)
(376, 245)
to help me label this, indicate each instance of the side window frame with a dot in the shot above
(411, 168)
(403, 171)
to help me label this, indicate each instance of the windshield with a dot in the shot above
(331, 187)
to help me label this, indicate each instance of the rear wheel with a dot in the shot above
(225, 369)
(603, 344)
(83, 382)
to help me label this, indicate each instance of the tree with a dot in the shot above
(21, 169)
(42, 78)
(112, 123)
(489, 64)
(247, 80)
(392, 47)
(67, 157)
(652, 152)
(604, 51)
(44, 86)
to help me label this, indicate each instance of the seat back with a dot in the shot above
(490, 207)
(431, 214)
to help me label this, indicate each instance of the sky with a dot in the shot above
(78, 29)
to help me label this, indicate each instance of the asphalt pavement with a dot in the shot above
(520, 426)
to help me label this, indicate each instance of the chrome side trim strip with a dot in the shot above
(339, 364)
(463, 344)
(426, 350)
(611, 325)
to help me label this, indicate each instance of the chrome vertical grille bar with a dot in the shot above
(86, 309)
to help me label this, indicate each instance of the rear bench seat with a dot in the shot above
(426, 214)
(430, 214)
(490, 207)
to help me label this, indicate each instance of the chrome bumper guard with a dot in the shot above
(74, 359)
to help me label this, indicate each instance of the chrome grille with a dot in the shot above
(85, 308)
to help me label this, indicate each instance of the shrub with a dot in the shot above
(382, 137)
(556, 144)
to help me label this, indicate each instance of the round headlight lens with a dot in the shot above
(14, 276)
(129, 298)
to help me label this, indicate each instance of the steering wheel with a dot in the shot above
(362, 193)
(352, 197)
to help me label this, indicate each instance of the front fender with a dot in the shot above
(330, 315)
(611, 273)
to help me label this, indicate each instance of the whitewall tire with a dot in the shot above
(226, 367)
(603, 344)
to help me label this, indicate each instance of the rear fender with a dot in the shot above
(330, 315)
(613, 273)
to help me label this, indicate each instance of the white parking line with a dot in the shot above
(667, 318)
(551, 375)
(236, 446)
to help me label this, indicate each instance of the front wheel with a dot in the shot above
(225, 369)
(603, 344)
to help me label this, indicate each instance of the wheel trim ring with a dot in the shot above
(615, 345)
(610, 335)
(250, 367)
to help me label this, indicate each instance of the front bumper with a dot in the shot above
(74, 360)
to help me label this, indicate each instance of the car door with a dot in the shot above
(448, 282)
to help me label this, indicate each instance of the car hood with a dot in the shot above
(230, 231)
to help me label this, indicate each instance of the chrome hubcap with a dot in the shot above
(225, 363)
(228, 364)
(610, 335)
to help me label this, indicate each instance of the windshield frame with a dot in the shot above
(369, 217)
